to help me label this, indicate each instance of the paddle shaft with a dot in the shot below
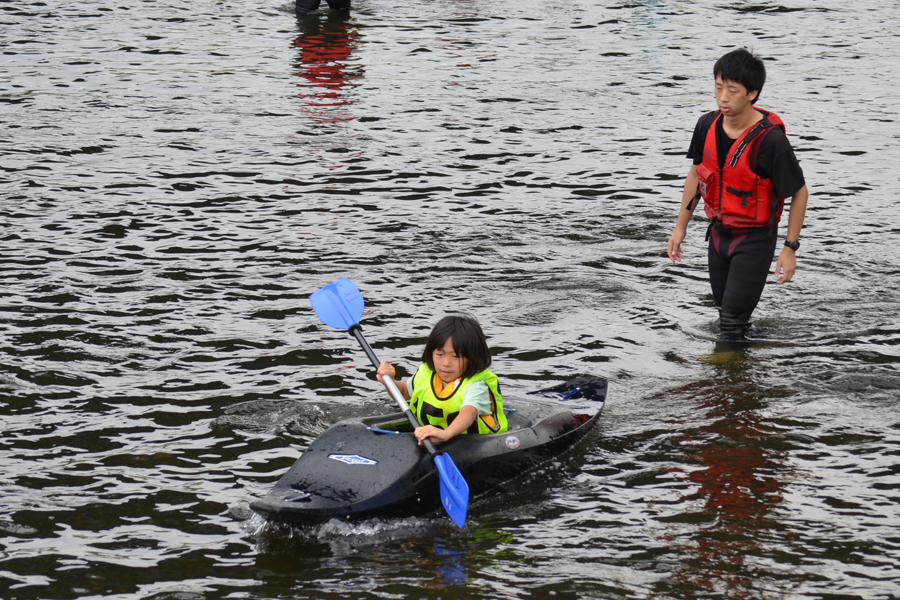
(356, 331)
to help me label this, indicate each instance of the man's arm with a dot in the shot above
(689, 201)
(787, 261)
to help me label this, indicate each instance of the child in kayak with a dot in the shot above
(453, 391)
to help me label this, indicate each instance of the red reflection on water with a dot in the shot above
(733, 481)
(325, 48)
(325, 69)
(738, 484)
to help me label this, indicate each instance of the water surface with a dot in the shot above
(178, 177)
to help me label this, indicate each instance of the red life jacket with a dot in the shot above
(735, 195)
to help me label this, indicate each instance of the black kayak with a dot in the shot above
(373, 466)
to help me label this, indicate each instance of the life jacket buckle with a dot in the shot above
(714, 222)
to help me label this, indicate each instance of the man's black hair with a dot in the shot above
(743, 67)
(468, 342)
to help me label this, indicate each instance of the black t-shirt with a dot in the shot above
(776, 156)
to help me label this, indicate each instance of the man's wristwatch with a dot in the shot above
(795, 245)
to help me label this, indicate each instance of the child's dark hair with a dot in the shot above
(743, 67)
(468, 342)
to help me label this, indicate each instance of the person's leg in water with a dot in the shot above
(342, 6)
(739, 263)
(304, 7)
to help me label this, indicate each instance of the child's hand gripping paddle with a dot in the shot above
(340, 305)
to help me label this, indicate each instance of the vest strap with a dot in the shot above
(740, 193)
(748, 139)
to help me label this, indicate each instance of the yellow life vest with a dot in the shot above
(437, 404)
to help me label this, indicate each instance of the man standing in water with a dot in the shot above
(744, 168)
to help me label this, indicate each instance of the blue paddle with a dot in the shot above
(340, 305)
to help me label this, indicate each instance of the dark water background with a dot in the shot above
(177, 177)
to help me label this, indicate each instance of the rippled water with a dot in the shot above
(177, 178)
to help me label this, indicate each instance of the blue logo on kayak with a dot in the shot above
(353, 459)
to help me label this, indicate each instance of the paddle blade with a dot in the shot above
(338, 304)
(454, 489)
